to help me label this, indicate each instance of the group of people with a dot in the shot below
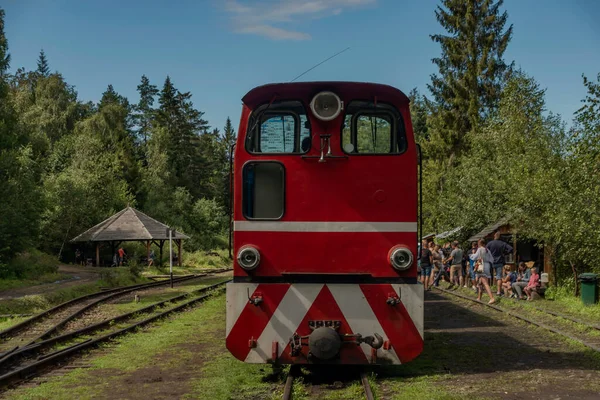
(483, 267)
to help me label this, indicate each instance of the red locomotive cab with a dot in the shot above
(325, 227)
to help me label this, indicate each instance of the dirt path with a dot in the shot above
(474, 351)
(471, 352)
(79, 275)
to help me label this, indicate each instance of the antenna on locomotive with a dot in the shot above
(322, 62)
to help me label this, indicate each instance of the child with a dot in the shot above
(509, 278)
(534, 282)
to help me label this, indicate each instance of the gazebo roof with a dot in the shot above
(128, 224)
(488, 230)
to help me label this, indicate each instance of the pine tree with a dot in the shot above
(43, 69)
(144, 110)
(418, 115)
(4, 56)
(471, 67)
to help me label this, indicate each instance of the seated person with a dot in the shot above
(510, 277)
(534, 283)
(523, 275)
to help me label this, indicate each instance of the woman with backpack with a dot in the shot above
(483, 270)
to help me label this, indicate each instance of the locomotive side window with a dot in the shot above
(373, 129)
(281, 128)
(263, 190)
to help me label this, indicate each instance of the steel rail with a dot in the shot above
(295, 371)
(33, 346)
(110, 296)
(367, 386)
(22, 325)
(27, 371)
(530, 321)
(567, 317)
(102, 324)
(289, 382)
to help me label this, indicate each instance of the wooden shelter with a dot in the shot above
(528, 251)
(131, 225)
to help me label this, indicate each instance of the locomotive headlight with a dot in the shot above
(248, 258)
(401, 258)
(326, 106)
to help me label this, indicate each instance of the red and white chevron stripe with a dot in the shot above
(287, 308)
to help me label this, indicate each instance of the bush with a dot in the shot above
(29, 264)
(201, 259)
(135, 268)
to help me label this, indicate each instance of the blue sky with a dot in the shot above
(220, 49)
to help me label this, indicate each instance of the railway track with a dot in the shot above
(591, 343)
(23, 363)
(45, 324)
(295, 372)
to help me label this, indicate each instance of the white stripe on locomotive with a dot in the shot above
(360, 317)
(323, 226)
(412, 299)
(285, 321)
(237, 300)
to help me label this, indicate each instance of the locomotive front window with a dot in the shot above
(373, 129)
(281, 128)
(263, 190)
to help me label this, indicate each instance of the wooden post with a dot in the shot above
(147, 251)
(97, 254)
(179, 261)
(160, 246)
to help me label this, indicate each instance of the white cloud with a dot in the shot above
(274, 19)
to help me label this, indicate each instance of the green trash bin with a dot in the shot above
(589, 288)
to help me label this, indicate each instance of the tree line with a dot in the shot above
(66, 164)
(491, 149)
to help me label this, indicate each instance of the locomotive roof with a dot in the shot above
(296, 90)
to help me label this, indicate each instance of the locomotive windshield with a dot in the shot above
(371, 128)
(281, 128)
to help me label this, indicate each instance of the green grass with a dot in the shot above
(561, 303)
(37, 303)
(193, 263)
(6, 284)
(218, 377)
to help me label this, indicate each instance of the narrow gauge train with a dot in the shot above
(325, 227)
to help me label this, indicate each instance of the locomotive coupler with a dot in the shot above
(255, 299)
(296, 344)
(375, 341)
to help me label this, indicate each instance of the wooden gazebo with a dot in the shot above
(131, 225)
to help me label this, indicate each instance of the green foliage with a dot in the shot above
(66, 166)
(471, 69)
(29, 264)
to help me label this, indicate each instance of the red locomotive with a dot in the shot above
(325, 227)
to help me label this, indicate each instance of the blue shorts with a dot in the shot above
(425, 270)
(498, 269)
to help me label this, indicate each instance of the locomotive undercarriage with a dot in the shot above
(333, 323)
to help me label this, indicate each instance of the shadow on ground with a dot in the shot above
(459, 340)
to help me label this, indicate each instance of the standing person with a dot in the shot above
(121, 256)
(484, 256)
(472, 251)
(499, 249)
(455, 259)
(78, 257)
(151, 258)
(426, 262)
